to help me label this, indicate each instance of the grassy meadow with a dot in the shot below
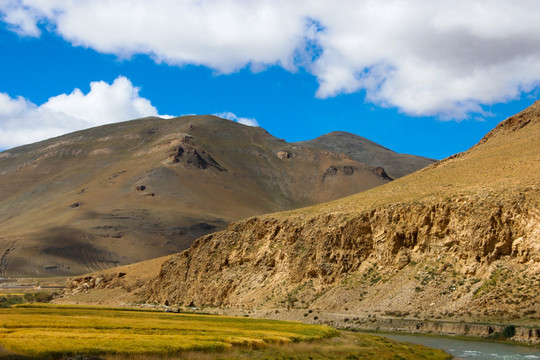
(56, 332)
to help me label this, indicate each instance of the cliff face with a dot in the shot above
(459, 238)
(453, 256)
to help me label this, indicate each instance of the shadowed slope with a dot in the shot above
(145, 188)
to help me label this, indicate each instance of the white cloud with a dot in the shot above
(431, 57)
(22, 20)
(425, 57)
(241, 120)
(225, 35)
(23, 122)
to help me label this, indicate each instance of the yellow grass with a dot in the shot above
(11, 293)
(45, 330)
(48, 331)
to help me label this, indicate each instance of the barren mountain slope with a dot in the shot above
(368, 152)
(136, 190)
(459, 237)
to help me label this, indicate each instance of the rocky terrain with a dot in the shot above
(459, 238)
(142, 189)
(368, 152)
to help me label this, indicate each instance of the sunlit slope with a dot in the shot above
(506, 160)
(453, 238)
(141, 189)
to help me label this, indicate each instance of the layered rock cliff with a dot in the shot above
(461, 237)
(456, 255)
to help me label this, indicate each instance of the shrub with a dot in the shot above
(509, 332)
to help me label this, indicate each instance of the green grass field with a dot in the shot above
(55, 332)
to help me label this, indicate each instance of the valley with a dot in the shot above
(269, 180)
(451, 249)
(455, 241)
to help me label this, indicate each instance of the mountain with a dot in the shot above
(367, 152)
(458, 238)
(142, 189)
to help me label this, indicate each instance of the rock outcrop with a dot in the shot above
(368, 152)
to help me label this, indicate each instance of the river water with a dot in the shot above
(470, 349)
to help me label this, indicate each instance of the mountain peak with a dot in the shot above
(369, 152)
(529, 116)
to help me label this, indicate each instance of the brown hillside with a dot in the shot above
(459, 237)
(141, 189)
(368, 152)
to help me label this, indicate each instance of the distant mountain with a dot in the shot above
(458, 239)
(141, 189)
(368, 152)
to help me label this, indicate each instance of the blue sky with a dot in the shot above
(289, 70)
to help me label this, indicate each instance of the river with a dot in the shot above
(471, 349)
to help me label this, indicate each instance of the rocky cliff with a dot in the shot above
(460, 255)
(460, 238)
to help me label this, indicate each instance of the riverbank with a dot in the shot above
(507, 332)
(464, 349)
(518, 333)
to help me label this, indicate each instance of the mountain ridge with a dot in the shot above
(366, 151)
(121, 193)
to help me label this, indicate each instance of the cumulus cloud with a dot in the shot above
(445, 58)
(222, 34)
(22, 121)
(241, 120)
(431, 57)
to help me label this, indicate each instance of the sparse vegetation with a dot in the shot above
(499, 275)
(372, 275)
(398, 314)
(507, 333)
